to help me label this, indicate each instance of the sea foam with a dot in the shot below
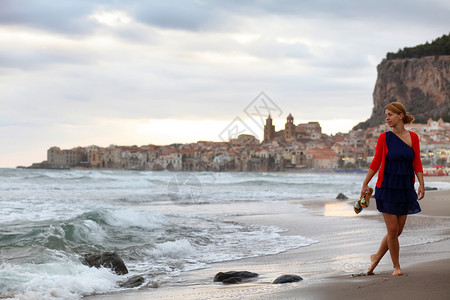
(59, 278)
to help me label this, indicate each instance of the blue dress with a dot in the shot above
(397, 195)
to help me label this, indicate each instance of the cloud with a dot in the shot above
(75, 17)
(54, 16)
(67, 67)
(37, 58)
(179, 14)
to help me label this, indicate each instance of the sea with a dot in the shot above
(160, 223)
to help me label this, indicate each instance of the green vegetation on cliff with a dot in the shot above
(440, 46)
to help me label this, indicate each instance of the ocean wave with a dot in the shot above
(180, 243)
(257, 182)
(53, 218)
(61, 277)
(131, 218)
(90, 231)
(173, 249)
(407, 241)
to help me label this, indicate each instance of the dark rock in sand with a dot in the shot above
(430, 188)
(287, 279)
(341, 196)
(132, 282)
(232, 280)
(233, 276)
(108, 260)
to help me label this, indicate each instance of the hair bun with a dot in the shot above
(408, 118)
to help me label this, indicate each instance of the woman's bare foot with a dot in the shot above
(374, 260)
(397, 272)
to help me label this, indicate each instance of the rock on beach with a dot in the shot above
(232, 277)
(287, 279)
(108, 260)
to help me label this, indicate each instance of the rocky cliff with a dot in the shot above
(421, 84)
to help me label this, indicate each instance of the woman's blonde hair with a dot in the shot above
(397, 107)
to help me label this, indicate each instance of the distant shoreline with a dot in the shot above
(287, 171)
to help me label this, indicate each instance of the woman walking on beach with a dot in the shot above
(397, 157)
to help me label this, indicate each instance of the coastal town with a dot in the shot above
(294, 148)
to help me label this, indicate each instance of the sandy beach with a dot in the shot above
(332, 268)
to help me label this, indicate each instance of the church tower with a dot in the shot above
(289, 129)
(269, 130)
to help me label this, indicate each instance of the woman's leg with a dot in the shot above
(394, 225)
(375, 258)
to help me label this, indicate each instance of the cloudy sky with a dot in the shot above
(136, 72)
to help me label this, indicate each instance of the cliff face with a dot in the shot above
(421, 84)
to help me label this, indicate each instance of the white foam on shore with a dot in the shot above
(177, 249)
(408, 241)
(135, 218)
(59, 278)
(91, 232)
(440, 185)
(234, 242)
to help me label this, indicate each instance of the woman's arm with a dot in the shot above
(377, 159)
(417, 162)
(375, 165)
(365, 187)
(417, 165)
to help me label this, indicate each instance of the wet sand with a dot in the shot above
(331, 267)
(427, 280)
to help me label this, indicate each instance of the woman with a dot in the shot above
(398, 155)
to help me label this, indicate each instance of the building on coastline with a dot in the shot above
(434, 139)
(295, 147)
(292, 132)
(320, 158)
(59, 159)
(300, 140)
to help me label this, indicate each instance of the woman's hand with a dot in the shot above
(421, 191)
(365, 187)
(364, 190)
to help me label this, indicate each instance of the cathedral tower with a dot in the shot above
(269, 130)
(289, 129)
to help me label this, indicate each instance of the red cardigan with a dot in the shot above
(382, 150)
